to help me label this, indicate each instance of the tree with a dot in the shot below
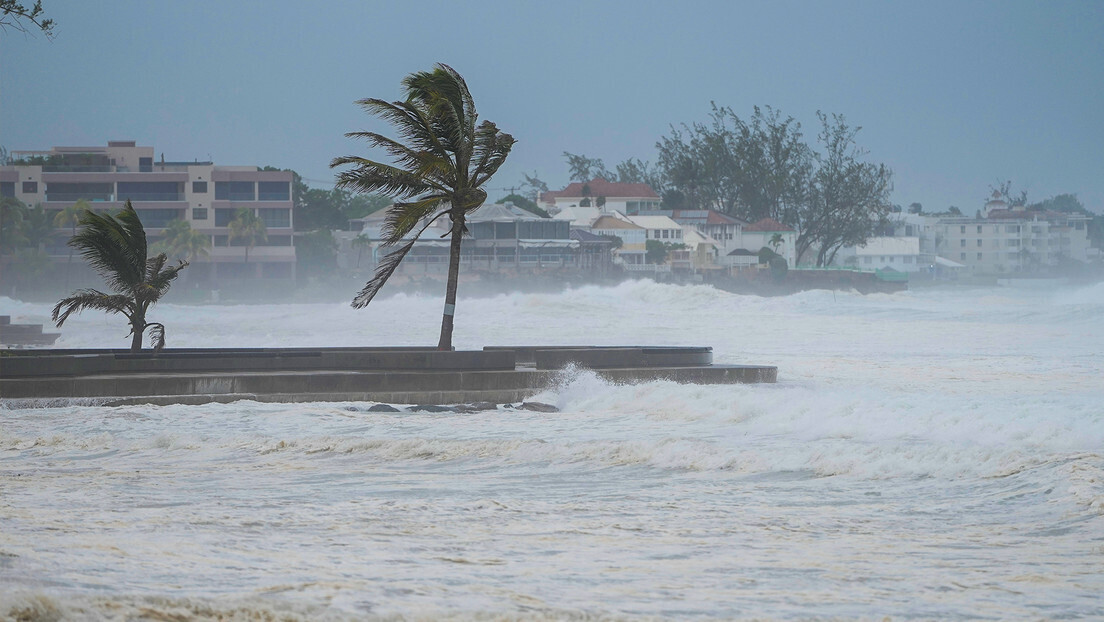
(249, 228)
(776, 240)
(316, 252)
(1065, 203)
(848, 197)
(532, 187)
(12, 214)
(183, 242)
(13, 12)
(1003, 191)
(585, 169)
(362, 243)
(70, 217)
(115, 246)
(446, 159)
(915, 208)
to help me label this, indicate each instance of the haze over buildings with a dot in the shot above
(952, 96)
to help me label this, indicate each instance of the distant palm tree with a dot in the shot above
(249, 228)
(361, 243)
(441, 166)
(70, 217)
(776, 240)
(115, 246)
(183, 242)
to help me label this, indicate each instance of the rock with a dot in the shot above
(476, 407)
(539, 407)
(383, 408)
(432, 408)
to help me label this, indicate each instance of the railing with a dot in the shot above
(63, 168)
(272, 196)
(154, 196)
(235, 196)
(69, 197)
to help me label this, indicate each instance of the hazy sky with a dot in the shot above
(951, 95)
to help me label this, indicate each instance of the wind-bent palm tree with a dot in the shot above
(249, 228)
(115, 246)
(439, 169)
(70, 217)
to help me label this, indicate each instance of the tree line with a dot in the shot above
(763, 166)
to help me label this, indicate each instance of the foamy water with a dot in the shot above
(928, 454)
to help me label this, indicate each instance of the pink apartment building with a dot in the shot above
(203, 194)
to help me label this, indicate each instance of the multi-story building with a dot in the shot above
(612, 196)
(1014, 240)
(205, 196)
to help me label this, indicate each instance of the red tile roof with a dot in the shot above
(601, 188)
(768, 224)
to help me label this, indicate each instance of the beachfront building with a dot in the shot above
(659, 228)
(605, 195)
(202, 194)
(1014, 240)
(722, 228)
(772, 234)
(901, 254)
(633, 238)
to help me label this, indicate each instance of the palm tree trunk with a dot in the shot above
(453, 276)
(136, 339)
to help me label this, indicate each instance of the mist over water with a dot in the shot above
(927, 454)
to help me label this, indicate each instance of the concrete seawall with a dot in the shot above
(390, 375)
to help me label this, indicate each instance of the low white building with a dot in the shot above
(607, 195)
(776, 236)
(879, 253)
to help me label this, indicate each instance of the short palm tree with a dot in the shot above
(776, 240)
(70, 217)
(439, 169)
(115, 246)
(183, 242)
(249, 228)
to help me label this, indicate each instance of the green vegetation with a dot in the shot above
(13, 13)
(183, 242)
(524, 203)
(438, 171)
(115, 246)
(248, 227)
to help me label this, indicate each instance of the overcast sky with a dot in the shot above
(953, 96)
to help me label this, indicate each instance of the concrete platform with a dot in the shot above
(388, 375)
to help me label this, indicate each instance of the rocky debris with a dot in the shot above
(431, 408)
(383, 408)
(539, 407)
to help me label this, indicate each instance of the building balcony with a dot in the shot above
(72, 197)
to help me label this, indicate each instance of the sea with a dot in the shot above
(927, 454)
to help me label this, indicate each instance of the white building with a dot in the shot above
(607, 195)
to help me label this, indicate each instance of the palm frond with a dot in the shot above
(157, 335)
(370, 176)
(410, 120)
(112, 247)
(387, 267)
(90, 299)
(402, 218)
(490, 151)
(160, 278)
(424, 164)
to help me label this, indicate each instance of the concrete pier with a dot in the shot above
(389, 375)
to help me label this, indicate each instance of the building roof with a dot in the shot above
(769, 225)
(743, 252)
(610, 222)
(1019, 214)
(501, 212)
(890, 246)
(693, 237)
(654, 222)
(704, 217)
(578, 216)
(586, 237)
(599, 187)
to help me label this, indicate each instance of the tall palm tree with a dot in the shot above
(361, 242)
(70, 217)
(249, 228)
(115, 246)
(439, 169)
(183, 242)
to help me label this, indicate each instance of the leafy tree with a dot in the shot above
(446, 159)
(249, 228)
(37, 227)
(848, 197)
(316, 252)
(1003, 190)
(585, 169)
(12, 214)
(532, 187)
(776, 240)
(1065, 203)
(525, 204)
(915, 208)
(115, 246)
(14, 12)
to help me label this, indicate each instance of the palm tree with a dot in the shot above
(70, 217)
(441, 166)
(115, 246)
(249, 228)
(183, 242)
(361, 243)
(776, 240)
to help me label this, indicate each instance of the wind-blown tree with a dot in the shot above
(439, 169)
(249, 228)
(115, 246)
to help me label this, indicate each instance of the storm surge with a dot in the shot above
(931, 454)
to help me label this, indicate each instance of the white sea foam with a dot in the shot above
(927, 454)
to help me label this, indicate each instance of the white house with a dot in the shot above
(659, 228)
(763, 233)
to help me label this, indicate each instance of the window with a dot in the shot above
(979, 228)
(962, 229)
(665, 232)
(979, 243)
(199, 213)
(275, 217)
(868, 260)
(907, 260)
(69, 192)
(1013, 229)
(235, 191)
(145, 165)
(157, 218)
(150, 190)
(962, 242)
(979, 256)
(223, 216)
(962, 256)
(30, 187)
(273, 191)
(199, 187)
